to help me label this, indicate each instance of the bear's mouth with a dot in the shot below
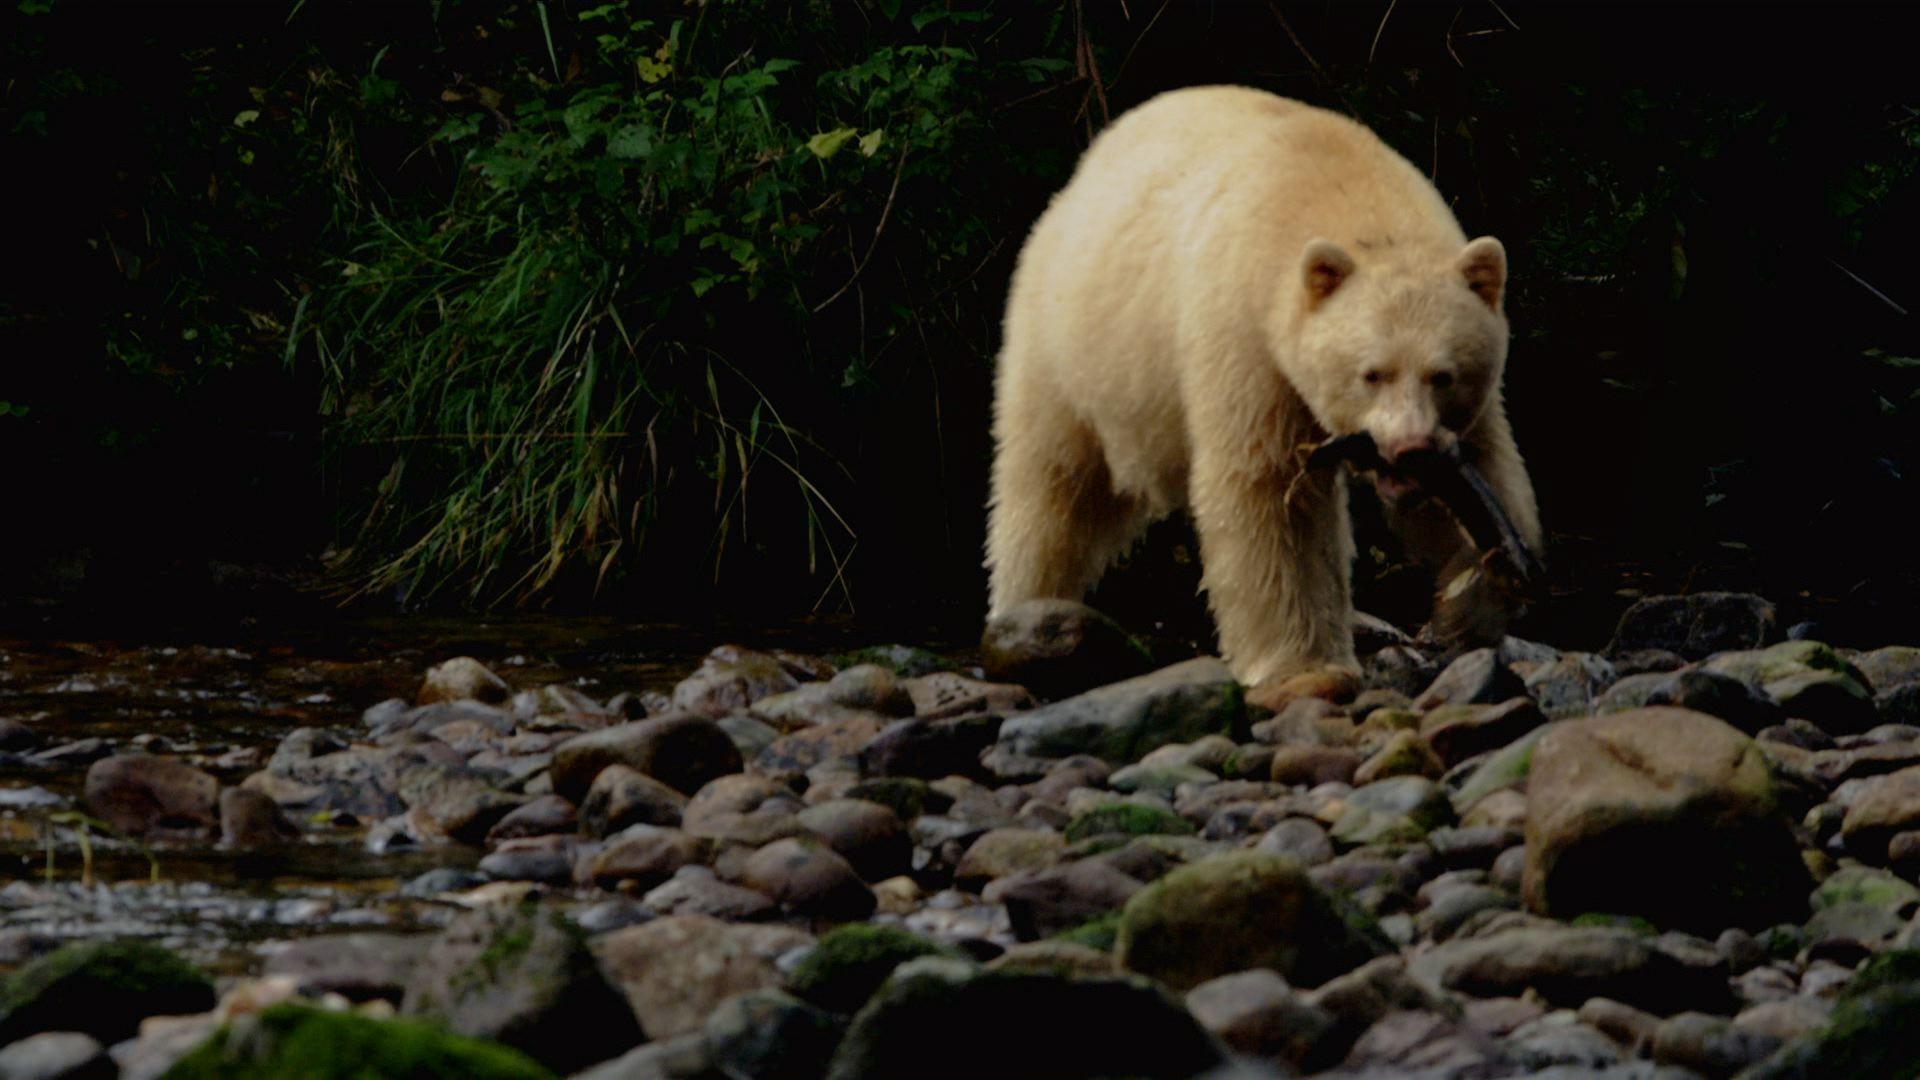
(1395, 485)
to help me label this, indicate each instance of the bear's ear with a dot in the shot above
(1484, 264)
(1323, 266)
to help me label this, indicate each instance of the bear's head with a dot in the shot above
(1407, 347)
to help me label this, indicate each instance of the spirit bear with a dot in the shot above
(1229, 279)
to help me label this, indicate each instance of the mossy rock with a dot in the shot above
(1127, 819)
(939, 1017)
(850, 962)
(1901, 966)
(905, 796)
(1096, 933)
(522, 976)
(906, 661)
(312, 1044)
(1872, 1033)
(1864, 885)
(1630, 923)
(102, 988)
(1238, 911)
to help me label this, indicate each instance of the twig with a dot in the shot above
(1381, 29)
(1281, 18)
(1121, 71)
(1503, 13)
(885, 212)
(1867, 285)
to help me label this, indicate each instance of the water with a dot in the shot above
(223, 700)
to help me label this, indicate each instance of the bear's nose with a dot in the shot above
(1411, 444)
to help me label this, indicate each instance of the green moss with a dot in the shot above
(1129, 819)
(906, 661)
(299, 1041)
(1871, 1034)
(1097, 933)
(102, 988)
(1864, 885)
(1609, 921)
(1898, 968)
(905, 796)
(850, 962)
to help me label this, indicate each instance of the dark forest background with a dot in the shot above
(665, 307)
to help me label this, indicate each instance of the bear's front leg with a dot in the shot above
(1276, 552)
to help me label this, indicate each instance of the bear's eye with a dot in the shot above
(1374, 376)
(1441, 379)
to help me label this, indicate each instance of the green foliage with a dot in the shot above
(532, 363)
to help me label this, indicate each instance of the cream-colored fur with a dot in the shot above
(1206, 297)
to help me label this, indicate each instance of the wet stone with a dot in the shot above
(809, 879)
(622, 796)
(138, 794)
(1058, 648)
(694, 890)
(674, 971)
(56, 1055)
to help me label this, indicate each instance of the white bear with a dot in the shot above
(1229, 279)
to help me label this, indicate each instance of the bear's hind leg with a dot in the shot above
(1055, 520)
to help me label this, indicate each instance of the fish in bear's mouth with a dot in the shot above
(1445, 475)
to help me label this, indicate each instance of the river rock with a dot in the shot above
(358, 967)
(683, 752)
(837, 741)
(462, 679)
(1310, 766)
(103, 989)
(1398, 810)
(1719, 695)
(1239, 911)
(1458, 732)
(1042, 1025)
(454, 802)
(863, 687)
(249, 819)
(675, 970)
(949, 693)
(1568, 965)
(138, 794)
(770, 1035)
(548, 859)
(869, 836)
(1611, 797)
(1405, 753)
(694, 890)
(286, 1040)
(544, 816)
(1256, 1013)
(621, 796)
(1041, 903)
(1569, 686)
(1001, 853)
(808, 878)
(1476, 678)
(730, 679)
(850, 962)
(56, 1055)
(641, 857)
(1697, 625)
(522, 976)
(1882, 807)
(1058, 647)
(930, 747)
(1121, 722)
